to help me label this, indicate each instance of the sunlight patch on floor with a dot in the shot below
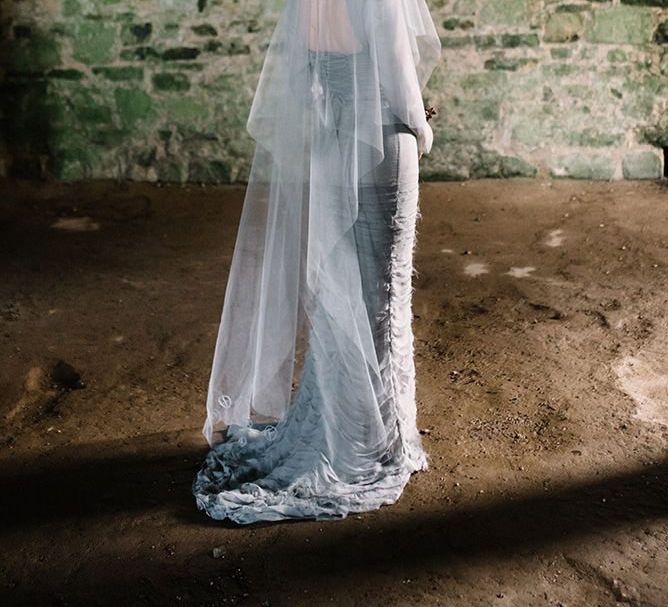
(523, 272)
(76, 224)
(476, 269)
(555, 238)
(644, 378)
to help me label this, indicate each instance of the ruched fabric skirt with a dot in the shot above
(294, 469)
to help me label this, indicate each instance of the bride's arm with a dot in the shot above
(399, 79)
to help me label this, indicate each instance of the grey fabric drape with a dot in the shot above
(318, 294)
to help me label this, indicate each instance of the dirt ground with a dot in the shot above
(542, 365)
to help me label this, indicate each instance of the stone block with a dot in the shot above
(582, 166)
(171, 81)
(181, 53)
(132, 105)
(211, 171)
(65, 74)
(120, 73)
(641, 165)
(506, 12)
(136, 33)
(204, 29)
(94, 42)
(621, 25)
(563, 27)
(34, 54)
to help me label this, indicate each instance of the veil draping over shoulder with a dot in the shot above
(294, 284)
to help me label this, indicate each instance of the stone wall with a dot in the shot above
(160, 89)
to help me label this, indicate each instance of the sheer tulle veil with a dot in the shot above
(294, 284)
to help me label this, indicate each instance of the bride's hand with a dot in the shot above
(425, 138)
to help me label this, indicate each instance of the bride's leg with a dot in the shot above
(385, 229)
(403, 364)
(377, 205)
(385, 233)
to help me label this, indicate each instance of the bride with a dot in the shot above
(311, 407)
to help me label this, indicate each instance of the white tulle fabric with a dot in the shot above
(311, 401)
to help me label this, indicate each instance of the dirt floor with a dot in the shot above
(541, 325)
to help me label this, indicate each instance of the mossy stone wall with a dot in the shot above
(159, 90)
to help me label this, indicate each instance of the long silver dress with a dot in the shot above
(339, 449)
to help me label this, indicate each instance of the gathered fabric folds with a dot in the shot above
(311, 407)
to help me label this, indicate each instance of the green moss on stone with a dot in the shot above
(121, 73)
(135, 33)
(621, 25)
(71, 8)
(34, 54)
(641, 165)
(132, 105)
(180, 53)
(185, 110)
(581, 166)
(506, 12)
(515, 40)
(94, 42)
(68, 74)
(563, 27)
(171, 82)
(204, 30)
(212, 171)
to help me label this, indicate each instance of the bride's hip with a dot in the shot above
(399, 167)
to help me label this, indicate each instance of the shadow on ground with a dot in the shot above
(93, 481)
